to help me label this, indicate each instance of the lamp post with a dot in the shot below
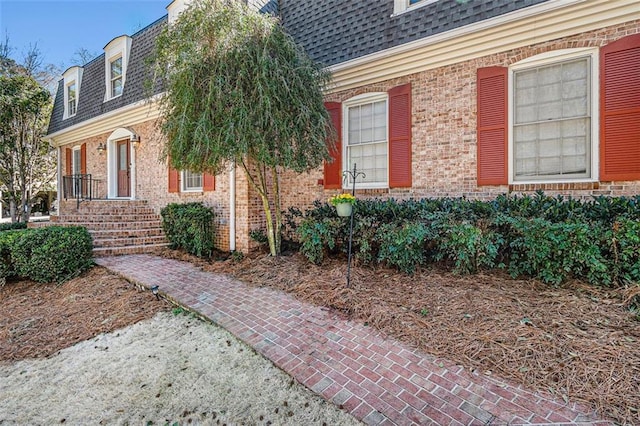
(353, 174)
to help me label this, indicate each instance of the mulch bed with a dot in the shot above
(38, 320)
(576, 341)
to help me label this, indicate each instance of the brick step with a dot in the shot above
(114, 211)
(114, 226)
(115, 251)
(129, 241)
(106, 234)
(129, 218)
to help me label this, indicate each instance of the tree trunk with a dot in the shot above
(278, 210)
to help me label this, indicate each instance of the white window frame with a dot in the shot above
(402, 6)
(365, 98)
(113, 79)
(71, 76)
(550, 58)
(72, 106)
(116, 48)
(183, 182)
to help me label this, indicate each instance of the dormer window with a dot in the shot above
(72, 79)
(115, 66)
(71, 98)
(401, 6)
(116, 77)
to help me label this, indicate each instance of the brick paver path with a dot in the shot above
(377, 379)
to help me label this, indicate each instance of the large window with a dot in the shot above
(552, 113)
(191, 181)
(71, 99)
(116, 77)
(366, 137)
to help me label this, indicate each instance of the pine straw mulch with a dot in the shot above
(38, 320)
(575, 341)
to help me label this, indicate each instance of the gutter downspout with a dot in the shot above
(232, 207)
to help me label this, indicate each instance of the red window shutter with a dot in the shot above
(83, 159)
(400, 136)
(492, 126)
(68, 164)
(208, 182)
(620, 109)
(174, 179)
(333, 170)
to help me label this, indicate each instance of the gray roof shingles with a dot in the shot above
(92, 88)
(335, 31)
(331, 31)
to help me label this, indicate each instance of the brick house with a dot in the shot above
(430, 98)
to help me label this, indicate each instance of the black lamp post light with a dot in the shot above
(154, 290)
(353, 174)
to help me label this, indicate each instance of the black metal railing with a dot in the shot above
(81, 187)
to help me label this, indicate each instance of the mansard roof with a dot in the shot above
(93, 86)
(335, 31)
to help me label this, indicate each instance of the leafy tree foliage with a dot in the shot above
(26, 164)
(240, 91)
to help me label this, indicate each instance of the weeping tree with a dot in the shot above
(240, 91)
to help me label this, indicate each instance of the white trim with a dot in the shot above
(118, 47)
(355, 101)
(128, 115)
(70, 76)
(550, 20)
(112, 165)
(183, 183)
(546, 59)
(403, 6)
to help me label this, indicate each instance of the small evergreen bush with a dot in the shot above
(549, 238)
(53, 253)
(12, 226)
(6, 243)
(189, 226)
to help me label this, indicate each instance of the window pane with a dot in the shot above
(76, 170)
(192, 181)
(367, 141)
(116, 68)
(370, 159)
(551, 134)
(116, 87)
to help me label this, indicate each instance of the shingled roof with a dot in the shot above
(331, 31)
(335, 31)
(93, 86)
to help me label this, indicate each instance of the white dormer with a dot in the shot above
(175, 8)
(72, 79)
(116, 58)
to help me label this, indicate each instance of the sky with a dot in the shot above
(62, 27)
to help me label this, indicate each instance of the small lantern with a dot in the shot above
(101, 148)
(154, 290)
(135, 140)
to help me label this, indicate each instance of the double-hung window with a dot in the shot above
(71, 99)
(552, 121)
(367, 140)
(191, 181)
(116, 77)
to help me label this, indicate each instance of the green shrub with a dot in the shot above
(12, 226)
(7, 239)
(624, 238)
(189, 226)
(318, 237)
(53, 253)
(468, 246)
(553, 252)
(403, 245)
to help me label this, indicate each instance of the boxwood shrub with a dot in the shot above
(12, 226)
(189, 226)
(6, 244)
(52, 254)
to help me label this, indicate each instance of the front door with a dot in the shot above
(122, 150)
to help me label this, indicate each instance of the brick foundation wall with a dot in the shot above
(444, 131)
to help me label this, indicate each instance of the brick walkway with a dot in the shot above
(378, 380)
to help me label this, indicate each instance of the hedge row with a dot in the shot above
(50, 254)
(12, 226)
(189, 226)
(552, 239)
